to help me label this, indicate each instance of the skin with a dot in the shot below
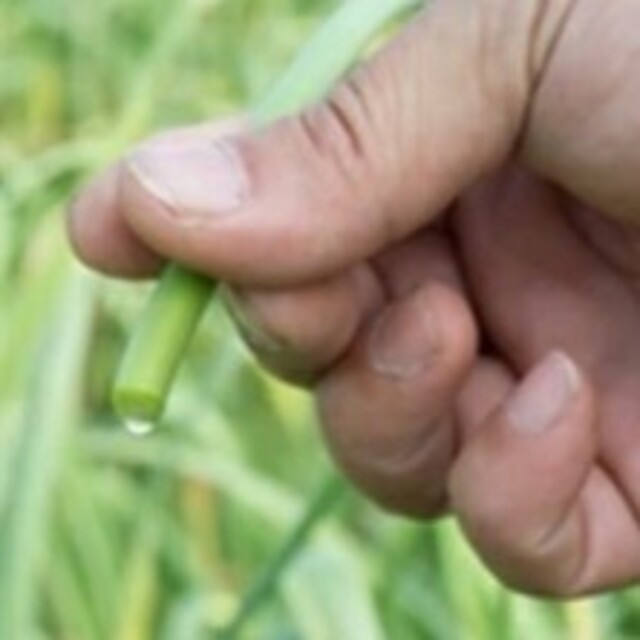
(470, 197)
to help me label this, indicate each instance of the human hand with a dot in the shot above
(321, 224)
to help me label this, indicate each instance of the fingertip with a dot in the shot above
(99, 219)
(99, 235)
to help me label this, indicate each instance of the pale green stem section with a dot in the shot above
(181, 298)
(50, 410)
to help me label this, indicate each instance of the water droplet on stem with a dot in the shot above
(139, 428)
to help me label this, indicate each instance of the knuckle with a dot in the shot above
(338, 129)
(547, 29)
(407, 492)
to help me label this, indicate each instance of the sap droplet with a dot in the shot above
(139, 428)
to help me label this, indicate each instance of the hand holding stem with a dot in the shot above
(470, 181)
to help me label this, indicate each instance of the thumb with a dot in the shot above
(385, 153)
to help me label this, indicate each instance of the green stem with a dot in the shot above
(324, 503)
(162, 336)
(180, 299)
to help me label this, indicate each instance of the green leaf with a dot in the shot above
(49, 413)
(330, 597)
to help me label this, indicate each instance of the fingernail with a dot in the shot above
(193, 177)
(404, 340)
(545, 394)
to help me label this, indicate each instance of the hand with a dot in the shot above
(369, 258)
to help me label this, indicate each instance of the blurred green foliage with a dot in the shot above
(228, 522)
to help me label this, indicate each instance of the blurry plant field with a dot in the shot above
(229, 522)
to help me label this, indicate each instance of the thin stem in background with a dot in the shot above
(323, 505)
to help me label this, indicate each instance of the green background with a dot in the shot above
(228, 522)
